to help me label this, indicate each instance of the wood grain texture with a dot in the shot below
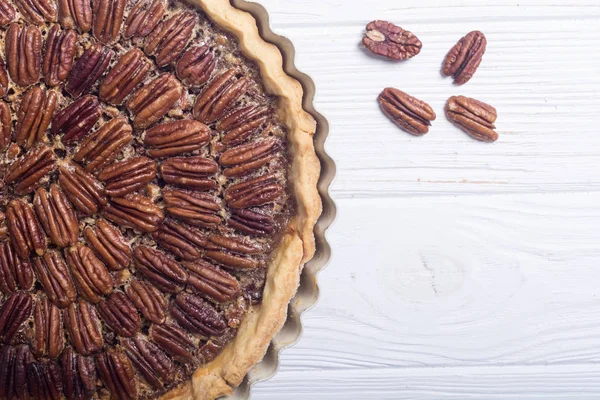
(461, 270)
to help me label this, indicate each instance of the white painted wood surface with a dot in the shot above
(461, 270)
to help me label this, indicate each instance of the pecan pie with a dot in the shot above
(157, 198)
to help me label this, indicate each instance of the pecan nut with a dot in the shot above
(81, 188)
(58, 56)
(131, 70)
(149, 359)
(190, 172)
(254, 192)
(109, 245)
(118, 375)
(13, 314)
(169, 38)
(174, 341)
(47, 338)
(166, 273)
(31, 170)
(75, 14)
(388, 40)
(408, 113)
(57, 216)
(34, 116)
(120, 314)
(107, 19)
(14, 362)
(196, 66)
(79, 375)
(212, 282)
(176, 138)
(7, 13)
(103, 146)
(77, 119)
(234, 244)
(248, 157)
(134, 211)
(197, 315)
(148, 299)
(3, 78)
(84, 328)
(464, 58)
(128, 176)
(5, 125)
(44, 380)
(219, 96)
(23, 53)
(52, 273)
(472, 116)
(180, 239)
(243, 123)
(25, 230)
(15, 273)
(89, 273)
(88, 69)
(143, 17)
(37, 12)
(153, 100)
(251, 222)
(196, 208)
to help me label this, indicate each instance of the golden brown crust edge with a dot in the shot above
(263, 321)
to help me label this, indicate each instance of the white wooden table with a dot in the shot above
(461, 270)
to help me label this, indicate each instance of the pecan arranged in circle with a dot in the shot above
(152, 363)
(251, 222)
(25, 230)
(134, 211)
(254, 192)
(109, 245)
(248, 157)
(388, 40)
(47, 338)
(44, 380)
(128, 176)
(120, 314)
(166, 273)
(128, 72)
(13, 314)
(196, 66)
(409, 113)
(37, 12)
(107, 19)
(180, 239)
(118, 375)
(52, 273)
(190, 172)
(7, 13)
(75, 14)
(31, 170)
(233, 252)
(23, 53)
(89, 273)
(219, 96)
(58, 57)
(14, 362)
(169, 38)
(57, 216)
(15, 272)
(176, 138)
(464, 58)
(143, 17)
(472, 116)
(174, 340)
(5, 125)
(3, 78)
(211, 281)
(197, 315)
(84, 328)
(242, 123)
(153, 100)
(79, 375)
(148, 299)
(82, 188)
(88, 69)
(34, 116)
(77, 119)
(196, 208)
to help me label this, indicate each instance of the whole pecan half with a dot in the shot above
(84, 328)
(409, 113)
(219, 96)
(134, 211)
(52, 273)
(14, 362)
(81, 188)
(197, 315)
(131, 69)
(118, 375)
(44, 380)
(107, 19)
(120, 314)
(166, 273)
(242, 123)
(109, 245)
(89, 273)
(102, 147)
(176, 138)
(13, 314)
(57, 216)
(388, 40)
(7, 13)
(211, 281)
(23, 53)
(464, 58)
(128, 176)
(77, 119)
(169, 38)
(88, 69)
(3, 78)
(37, 12)
(15, 273)
(25, 230)
(174, 340)
(153, 100)
(149, 359)
(58, 55)
(143, 17)
(248, 157)
(75, 14)
(196, 66)
(196, 208)
(251, 222)
(148, 299)
(31, 170)
(472, 116)
(34, 116)
(190, 172)
(79, 375)
(180, 239)
(48, 333)
(232, 261)
(5, 125)
(254, 192)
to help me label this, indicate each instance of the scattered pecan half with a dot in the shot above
(57, 216)
(143, 17)
(89, 273)
(118, 375)
(120, 314)
(15, 272)
(152, 363)
(77, 119)
(224, 249)
(169, 38)
(212, 282)
(166, 273)
(131, 69)
(58, 55)
(197, 315)
(148, 299)
(153, 100)
(409, 113)
(196, 66)
(248, 157)
(79, 375)
(107, 19)
(174, 341)
(193, 173)
(44, 380)
(13, 314)
(34, 116)
(14, 362)
(25, 230)
(180, 239)
(103, 146)
(254, 192)
(128, 176)
(464, 58)
(388, 40)
(176, 138)
(472, 116)
(240, 124)
(88, 69)
(37, 12)
(3, 78)
(23, 53)
(31, 170)
(5, 125)
(75, 14)
(196, 208)
(52, 273)
(84, 328)
(134, 211)
(7, 13)
(251, 222)
(82, 188)
(219, 96)
(48, 334)
(109, 245)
